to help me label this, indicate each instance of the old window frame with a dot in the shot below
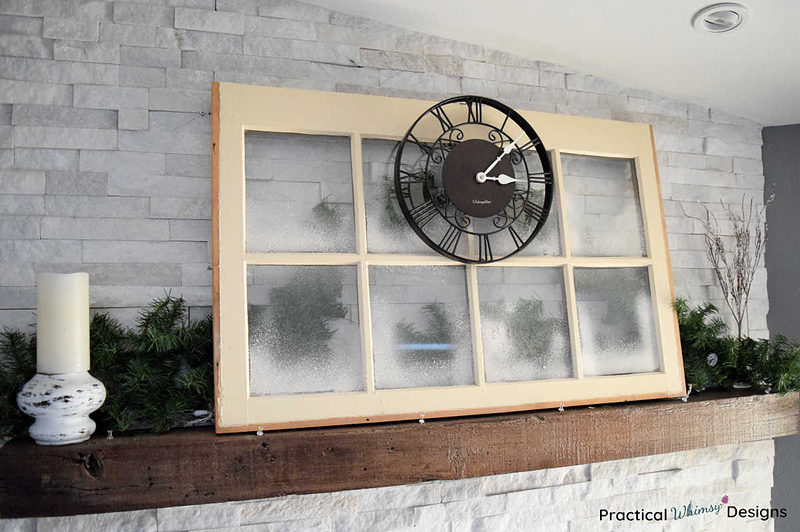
(240, 108)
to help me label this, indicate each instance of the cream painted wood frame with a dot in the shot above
(241, 108)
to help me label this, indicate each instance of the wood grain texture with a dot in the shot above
(215, 228)
(197, 466)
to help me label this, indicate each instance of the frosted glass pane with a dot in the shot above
(603, 211)
(524, 324)
(303, 330)
(420, 326)
(387, 229)
(615, 319)
(548, 241)
(299, 193)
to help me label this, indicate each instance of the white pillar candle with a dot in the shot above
(62, 329)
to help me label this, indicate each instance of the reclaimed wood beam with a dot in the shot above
(196, 466)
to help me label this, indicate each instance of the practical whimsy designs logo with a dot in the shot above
(690, 510)
(678, 512)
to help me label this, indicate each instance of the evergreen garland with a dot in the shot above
(712, 358)
(17, 366)
(704, 345)
(156, 375)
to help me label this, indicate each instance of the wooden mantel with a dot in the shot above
(196, 466)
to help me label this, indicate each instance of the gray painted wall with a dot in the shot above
(781, 156)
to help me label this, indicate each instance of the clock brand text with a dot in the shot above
(481, 201)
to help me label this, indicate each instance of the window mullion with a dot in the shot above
(475, 324)
(569, 280)
(365, 317)
(561, 199)
(360, 213)
(359, 205)
(301, 259)
(572, 318)
(640, 196)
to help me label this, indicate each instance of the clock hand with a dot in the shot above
(503, 179)
(481, 177)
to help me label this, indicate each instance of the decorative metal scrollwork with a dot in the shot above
(511, 213)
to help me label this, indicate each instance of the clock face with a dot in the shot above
(473, 179)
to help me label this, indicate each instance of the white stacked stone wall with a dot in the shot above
(566, 499)
(105, 132)
(105, 167)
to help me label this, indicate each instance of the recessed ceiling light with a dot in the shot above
(719, 18)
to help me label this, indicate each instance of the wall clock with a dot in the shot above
(473, 179)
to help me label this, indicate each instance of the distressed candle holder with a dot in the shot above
(62, 394)
(61, 404)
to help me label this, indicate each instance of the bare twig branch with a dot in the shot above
(735, 268)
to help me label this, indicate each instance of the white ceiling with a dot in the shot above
(752, 72)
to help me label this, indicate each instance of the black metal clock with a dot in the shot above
(473, 179)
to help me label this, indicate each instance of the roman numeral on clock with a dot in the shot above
(474, 111)
(530, 144)
(442, 117)
(485, 249)
(405, 190)
(449, 241)
(424, 147)
(518, 241)
(408, 177)
(505, 121)
(424, 213)
(533, 210)
(540, 178)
